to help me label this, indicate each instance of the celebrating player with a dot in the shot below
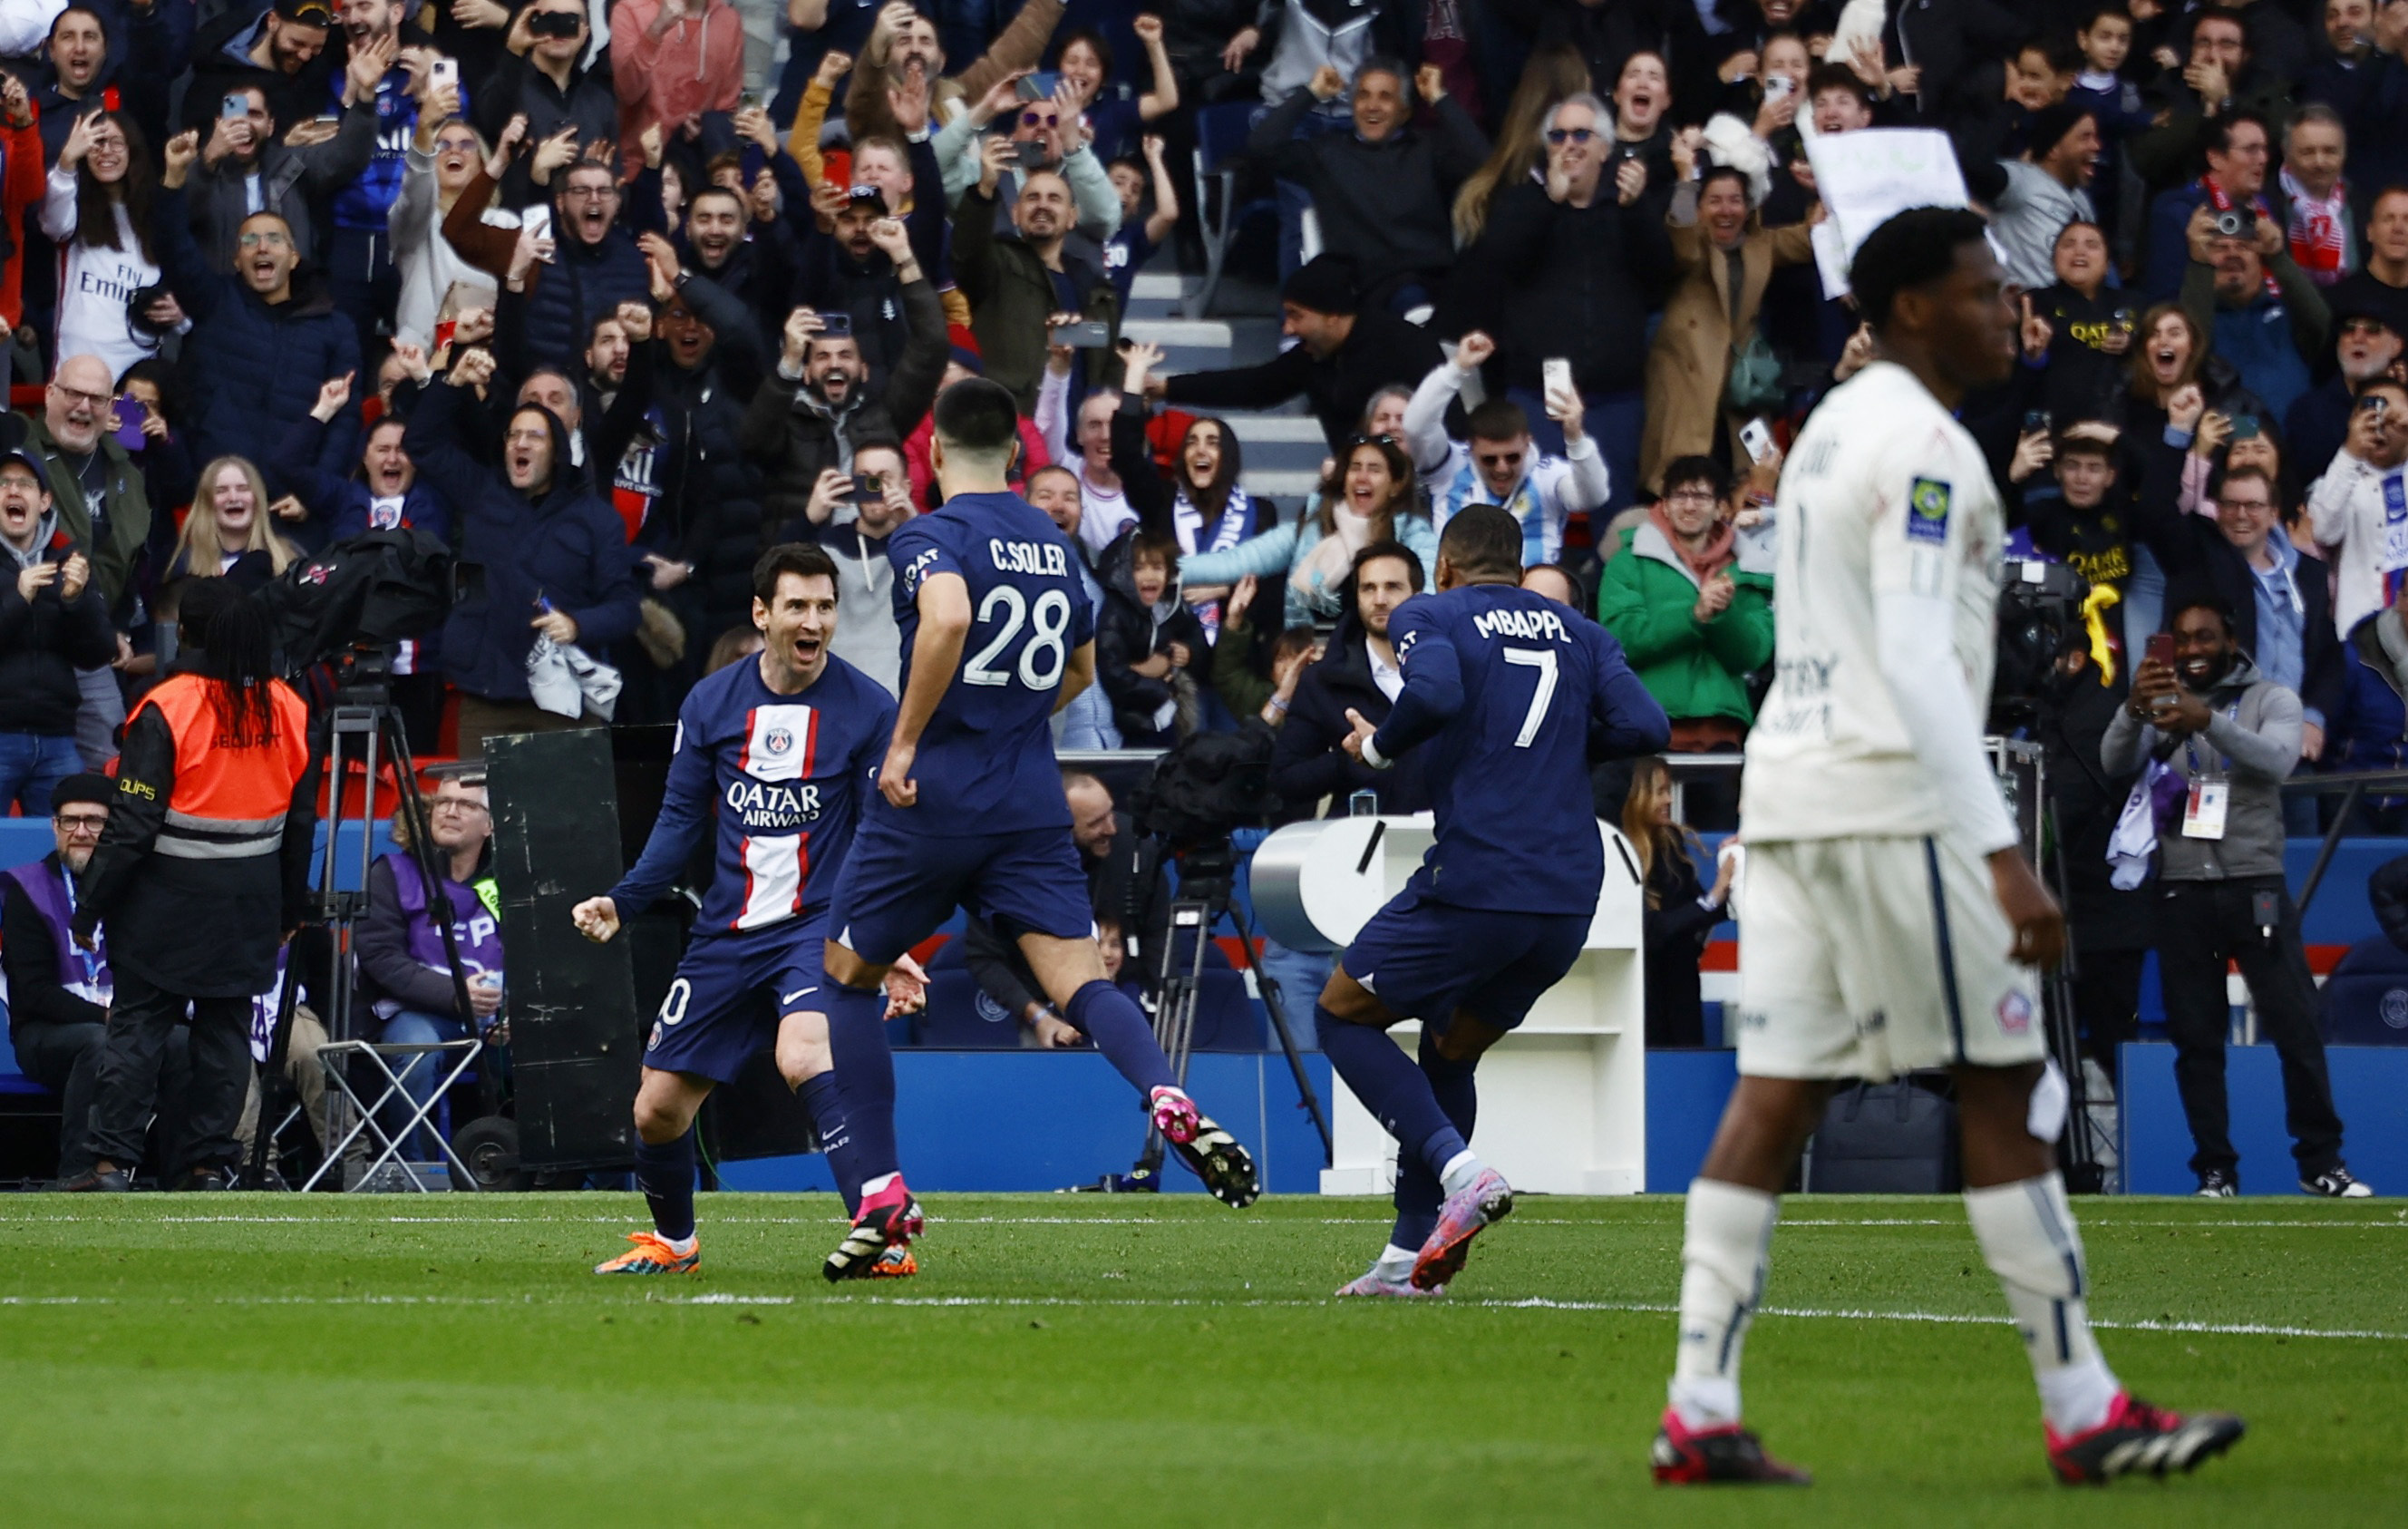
(1892, 922)
(1506, 696)
(998, 635)
(778, 751)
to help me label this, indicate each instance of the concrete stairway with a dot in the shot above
(1284, 450)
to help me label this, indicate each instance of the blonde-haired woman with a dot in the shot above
(229, 520)
(1555, 72)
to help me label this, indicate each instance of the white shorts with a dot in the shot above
(1869, 957)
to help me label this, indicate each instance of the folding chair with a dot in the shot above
(334, 1054)
(1220, 156)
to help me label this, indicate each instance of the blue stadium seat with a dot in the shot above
(1226, 1019)
(2365, 998)
(1220, 154)
(959, 1017)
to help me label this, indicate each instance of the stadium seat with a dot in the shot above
(2365, 998)
(1220, 154)
(959, 1017)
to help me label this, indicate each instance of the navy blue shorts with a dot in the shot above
(1425, 959)
(895, 889)
(714, 1020)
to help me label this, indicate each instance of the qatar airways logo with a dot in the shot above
(764, 808)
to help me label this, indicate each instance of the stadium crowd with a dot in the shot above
(551, 282)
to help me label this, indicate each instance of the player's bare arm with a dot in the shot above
(1077, 674)
(944, 604)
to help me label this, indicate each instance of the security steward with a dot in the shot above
(201, 874)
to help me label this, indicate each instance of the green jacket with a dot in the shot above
(1646, 600)
(1010, 292)
(126, 502)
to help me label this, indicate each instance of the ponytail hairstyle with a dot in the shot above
(237, 646)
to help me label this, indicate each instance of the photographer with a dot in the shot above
(543, 76)
(203, 869)
(2231, 737)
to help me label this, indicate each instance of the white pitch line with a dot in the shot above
(2101, 1222)
(1534, 1303)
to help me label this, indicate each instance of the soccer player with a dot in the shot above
(1506, 696)
(1892, 922)
(968, 810)
(778, 750)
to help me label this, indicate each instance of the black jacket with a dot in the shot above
(1128, 633)
(1382, 351)
(1388, 205)
(1675, 932)
(1310, 762)
(30, 958)
(1548, 279)
(517, 85)
(710, 488)
(43, 642)
(2088, 801)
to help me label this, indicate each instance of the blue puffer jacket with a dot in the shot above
(584, 283)
(255, 367)
(2369, 726)
(568, 547)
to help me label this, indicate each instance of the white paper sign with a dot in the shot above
(1867, 177)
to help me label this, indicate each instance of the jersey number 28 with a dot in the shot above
(1046, 652)
(1544, 660)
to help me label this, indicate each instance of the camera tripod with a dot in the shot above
(1207, 888)
(360, 725)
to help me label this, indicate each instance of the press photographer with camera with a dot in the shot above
(2271, 336)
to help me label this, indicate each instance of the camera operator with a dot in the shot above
(404, 972)
(1124, 876)
(201, 874)
(2230, 736)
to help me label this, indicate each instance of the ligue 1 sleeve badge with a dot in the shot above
(1927, 511)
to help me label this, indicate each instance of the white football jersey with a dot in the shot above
(1883, 491)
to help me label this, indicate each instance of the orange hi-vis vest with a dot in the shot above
(230, 799)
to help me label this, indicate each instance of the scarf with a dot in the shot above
(1329, 559)
(1237, 513)
(2223, 203)
(1719, 552)
(2318, 233)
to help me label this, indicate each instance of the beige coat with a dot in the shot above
(1689, 363)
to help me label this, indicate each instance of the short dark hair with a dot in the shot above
(1498, 419)
(1728, 172)
(2380, 380)
(978, 416)
(1094, 39)
(803, 560)
(713, 189)
(1154, 547)
(1697, 470)
(1415, 573)
(2232, 475)
(2199, 597)
(1914, 249)
(1483, 538)
(2219, 132)
(1836, 77)
(2059, 50)
(2070, 445)
(2113, 8)
(2222, 13)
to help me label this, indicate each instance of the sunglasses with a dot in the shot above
(1358, 439)
(1039, 119)
(1561, 136)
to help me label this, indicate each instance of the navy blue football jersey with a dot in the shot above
(986, 762)
(1504, 692)
(783, 775)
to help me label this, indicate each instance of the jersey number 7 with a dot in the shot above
(1048, 642)
(1544, 660)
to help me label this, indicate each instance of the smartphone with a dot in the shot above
(237, 104)
(1038, 87)
(1031, 154)
(1555, 375)
(2374, 403)
(442, 72)
(2161, 649)
(1757, 437)
(2245, 427)
(836, 323)
(865, 490)
(129, 425)
(537, 218)
(1086, 334)
(749, 100)
(1777, 86)
(2036, 421)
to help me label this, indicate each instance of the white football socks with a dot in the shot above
(2029, 1237)
(1395, 1264)
(1459, 1171)
(1722, 1277)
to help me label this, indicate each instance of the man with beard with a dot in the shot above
(282, 50)
(263, 339)
(93, 484)
(1019, 287)
(903, 46)
(2365, 346)
(810, 415)
(591, 265)
(2035, 196)
(544, 77)
(877, 498)
(1358, 674)
(756, 272)
(151, 43)
(848, 272)
(243, 169)
(52, 622)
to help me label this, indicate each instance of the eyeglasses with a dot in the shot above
(588, 193)
(78, 395)
(2361, 327)
(1358, 439)
(457, 804)
(81, 822)
(1561, 136)
(2245, 504)
(461, 145)
(267, 237)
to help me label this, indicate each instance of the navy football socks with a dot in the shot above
(666, 1174)
(1393, 1086)
(1111, 1019)
(824, 1099)
(857, 1040)
(1419, 1194)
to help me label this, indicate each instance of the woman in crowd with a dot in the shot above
(1681, 912)
(1555, 72)
(1200, 500)
(1725, 257)
(1368, 495)
(230, 520)
(98, 207)
(442, 159)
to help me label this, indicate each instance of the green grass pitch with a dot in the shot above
(447, 1360)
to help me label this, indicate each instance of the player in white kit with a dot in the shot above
(1890, 920)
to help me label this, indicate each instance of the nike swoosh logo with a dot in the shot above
(796, 997)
